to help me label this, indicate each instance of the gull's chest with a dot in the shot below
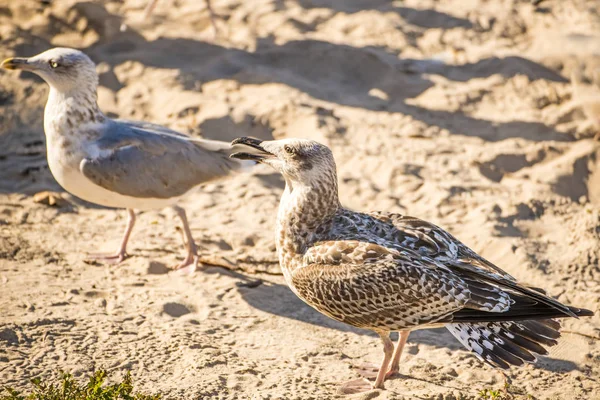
(64, 156)
(65, 152)
(65, 149)
(66, 146)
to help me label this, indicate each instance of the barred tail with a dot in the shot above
(502, 344)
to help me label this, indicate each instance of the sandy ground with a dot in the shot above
(459, 112)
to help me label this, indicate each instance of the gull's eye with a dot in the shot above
(53, 64)
(289, 149)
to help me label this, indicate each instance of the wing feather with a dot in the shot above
(435, 242)
(148, 161)
(463, 261)
(368, 286)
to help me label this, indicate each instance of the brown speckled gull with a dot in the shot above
(388, 272)
(117, 163)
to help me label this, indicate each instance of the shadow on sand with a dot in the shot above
(260, 296)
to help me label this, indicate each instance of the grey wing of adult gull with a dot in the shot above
(149, 161)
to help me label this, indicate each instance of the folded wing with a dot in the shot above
(149, 161)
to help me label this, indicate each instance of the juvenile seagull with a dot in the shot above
(387, 272)
(116, 163)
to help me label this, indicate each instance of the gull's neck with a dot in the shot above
(69, 112)
(305, 213)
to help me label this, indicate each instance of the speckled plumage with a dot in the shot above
(389, 272)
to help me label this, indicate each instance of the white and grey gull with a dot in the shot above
(388, 272)
(118, 163)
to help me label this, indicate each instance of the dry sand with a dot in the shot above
(459, 112)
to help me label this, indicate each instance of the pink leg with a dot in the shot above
(362, 385)
(370, 370)
(395, 365)
(388, 350)
(191, 258)
(121, 254)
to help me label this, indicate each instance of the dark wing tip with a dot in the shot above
(582, 312)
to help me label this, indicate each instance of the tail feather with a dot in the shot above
(523, 342)
(225, 148)
(536, 331)
(521, 348)
(522, 329)
(503, 344)
(550, 323)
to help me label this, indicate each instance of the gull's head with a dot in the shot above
(62, 68)
(300, 161)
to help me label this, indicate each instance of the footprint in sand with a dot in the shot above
(176, 310)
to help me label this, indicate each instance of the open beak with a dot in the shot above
(258, 152)
(17, 63)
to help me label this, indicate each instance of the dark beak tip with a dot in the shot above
(237, 140)
(245, 140)
(252, 143)
(8, 64)
(13, 63)
(249, 141)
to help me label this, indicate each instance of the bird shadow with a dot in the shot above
(277, 299)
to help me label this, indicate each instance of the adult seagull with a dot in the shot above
(118, 163)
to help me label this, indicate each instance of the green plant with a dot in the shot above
(490, 394)
(67, 388)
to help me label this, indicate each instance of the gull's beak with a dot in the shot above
(258, 152)
(17, 63)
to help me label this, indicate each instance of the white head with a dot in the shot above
(64, 69)
(302, 162)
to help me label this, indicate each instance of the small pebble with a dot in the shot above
(100, 303)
